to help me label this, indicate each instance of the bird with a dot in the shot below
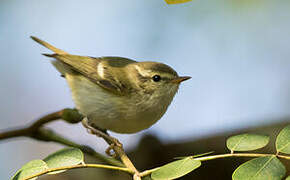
(116, 93)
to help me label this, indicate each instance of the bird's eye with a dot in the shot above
(156, 78)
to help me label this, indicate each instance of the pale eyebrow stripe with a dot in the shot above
(142, 73)
(148, 73)
(100, 70)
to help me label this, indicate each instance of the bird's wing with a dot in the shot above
(98, 70)
(94, 69)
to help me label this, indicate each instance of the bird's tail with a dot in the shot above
(49, 46)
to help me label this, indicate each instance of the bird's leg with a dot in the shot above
(114, 145)
(103, 134)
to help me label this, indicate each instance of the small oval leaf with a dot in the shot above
(268, 167)
(176, 1)
(283, 141)
(29, 169)
(64, 157)
(247, 142)
(175, 169)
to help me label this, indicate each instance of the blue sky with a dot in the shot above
(236, 52)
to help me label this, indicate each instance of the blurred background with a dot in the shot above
(237, 52)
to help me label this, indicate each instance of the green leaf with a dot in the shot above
(175, 169)
(283, 141)
(268, 167)
(29, 169)
(64, 157)
(176, 1)
(288, 178)
(247, 142)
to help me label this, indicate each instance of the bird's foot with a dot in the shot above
(113, 142)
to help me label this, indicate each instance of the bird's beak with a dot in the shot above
(180, 79)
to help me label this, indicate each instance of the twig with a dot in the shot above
(80, 166)
(207, 158)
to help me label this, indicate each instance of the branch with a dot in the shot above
(36, 131)
(69, 115)
(28, 131)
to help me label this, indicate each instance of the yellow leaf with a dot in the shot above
(176, 1)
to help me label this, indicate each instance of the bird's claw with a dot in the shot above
(110, 140)
(110, 150)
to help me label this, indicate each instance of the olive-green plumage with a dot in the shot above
(116, 93)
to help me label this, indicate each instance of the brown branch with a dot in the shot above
(14, 133)
(28, 131)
